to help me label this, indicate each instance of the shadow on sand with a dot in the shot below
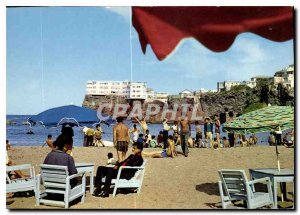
(208, 188)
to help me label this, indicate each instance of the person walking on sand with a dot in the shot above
(185, 132)
(98, 136)
(121, 139)
(143, 124)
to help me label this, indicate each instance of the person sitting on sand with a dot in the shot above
(135, 159)
(58, 156)
(9, 162)
(215, 143)
(111, 160)
(160, 140)
(271, 139)
(49, 142)
(141, 139)
(243, 141)
(152, 143)
(191, 142)
(177, 139)
(198, 134)
(148, 137)
(226, 143)
(287, 142)
(165, 153)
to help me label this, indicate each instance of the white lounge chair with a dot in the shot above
(56, 180)
(135, 182)
(21, 184)
(236, 187)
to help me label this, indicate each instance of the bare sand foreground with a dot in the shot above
(179, 183)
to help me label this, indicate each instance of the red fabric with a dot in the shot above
(215, 27)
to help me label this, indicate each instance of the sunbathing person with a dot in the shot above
(9, 162)
(135, 159)
(165, 153)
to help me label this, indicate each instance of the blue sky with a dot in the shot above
(93, 43)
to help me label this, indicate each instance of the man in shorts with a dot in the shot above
(121, 139)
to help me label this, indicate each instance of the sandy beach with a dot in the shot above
(178, 183)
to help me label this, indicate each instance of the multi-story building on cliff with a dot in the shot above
(285, 77)
(126, 89)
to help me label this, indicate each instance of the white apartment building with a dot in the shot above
(186, 94)
(163, 97)
(138, 90)
(126, 89)
(285, 77)
(226, 85)
(152, 95)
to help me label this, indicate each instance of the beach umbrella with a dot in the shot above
(215, 27)
(270, 118)
(71, 115)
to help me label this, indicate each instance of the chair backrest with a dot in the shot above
(234, 182)
(140, 173)
(54, 175)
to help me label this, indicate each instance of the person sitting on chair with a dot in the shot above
(59, 155)
(135, 159)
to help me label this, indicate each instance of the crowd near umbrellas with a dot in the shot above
(271, 118)
(71, 115)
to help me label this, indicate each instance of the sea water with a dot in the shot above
(16, 134)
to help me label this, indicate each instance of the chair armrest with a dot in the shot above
(74, 176)
(131, 167)
(18, 167)
(259, 180)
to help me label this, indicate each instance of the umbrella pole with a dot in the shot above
(278, 162)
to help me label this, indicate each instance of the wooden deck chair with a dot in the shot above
(235, 186)
(21, 184)
(135, 182)
(56, 180)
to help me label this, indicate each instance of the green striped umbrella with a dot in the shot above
(262, 120)
(270, 118)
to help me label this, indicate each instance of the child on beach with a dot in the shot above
(111, 160)
(153, 142)
(49, 142)
(226, 143)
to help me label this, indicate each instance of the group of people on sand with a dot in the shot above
(93, 137)
(276, 138)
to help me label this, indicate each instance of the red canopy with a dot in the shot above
(215, 27)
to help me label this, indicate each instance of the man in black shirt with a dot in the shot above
(135, 159)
